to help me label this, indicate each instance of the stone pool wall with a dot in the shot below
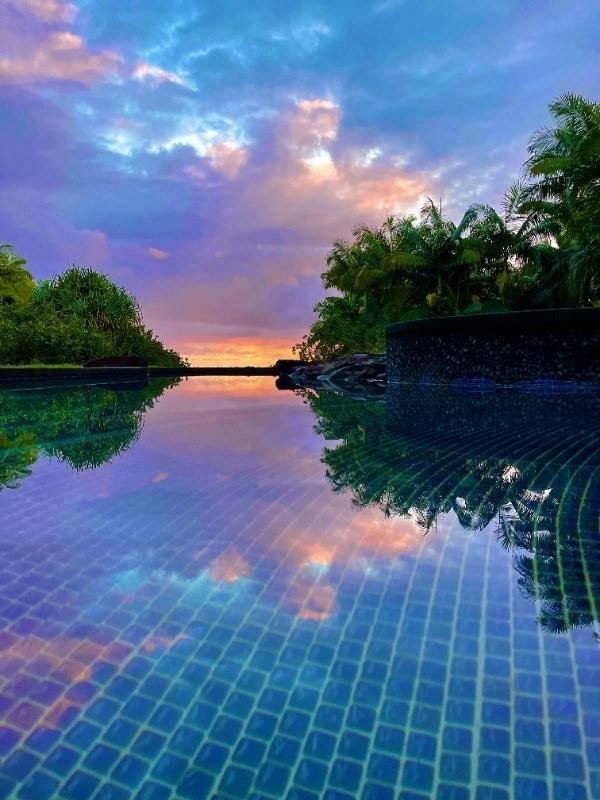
(561, 345)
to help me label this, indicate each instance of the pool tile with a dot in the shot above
(212, 757)
(428, 673)
(196, 785)
(130, 771)
(236, 781)
(101, 758)
(249, 752)
(39, 786)
(110, 791)
(272, 779)
(80, 786)
(383, 768)
(284, 750)
(169, 768)
(345, 775)
(19, 765)
(416, 775)
(353, 745)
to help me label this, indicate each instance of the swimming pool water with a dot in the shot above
(218, 589)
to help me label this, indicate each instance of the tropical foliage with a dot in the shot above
(77, 315)
(543, 251)
(16, 283)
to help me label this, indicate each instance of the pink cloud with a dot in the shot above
(243, 293)
(313, 123)
(60, 56)
(46, 10)
(227, 158)
(157, 254)
(315, 185)
(155, 75)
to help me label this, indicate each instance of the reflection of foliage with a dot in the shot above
(526, 465)
(16, 457)
(557, 560)
(85, 426)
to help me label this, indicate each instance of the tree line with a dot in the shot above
(542, 250)
(77, 315)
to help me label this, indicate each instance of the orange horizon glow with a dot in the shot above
(228, 386)
(236, 352)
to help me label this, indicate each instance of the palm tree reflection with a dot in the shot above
(525, 467)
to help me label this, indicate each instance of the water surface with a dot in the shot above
(218, 589)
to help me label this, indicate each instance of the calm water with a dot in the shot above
(219, 589)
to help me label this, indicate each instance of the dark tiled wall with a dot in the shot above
(505, 349)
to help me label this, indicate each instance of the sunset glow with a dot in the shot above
(207, 159)
(236, 352)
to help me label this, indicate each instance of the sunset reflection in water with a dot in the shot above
(191, 574)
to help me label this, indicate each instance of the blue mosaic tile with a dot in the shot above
(383, 768)
(345, 775)
(236, 781)
(264, 637)
(39, 786)
(170, 768)
(80, 786)
(196, 785)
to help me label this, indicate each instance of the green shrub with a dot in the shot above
(76, 316)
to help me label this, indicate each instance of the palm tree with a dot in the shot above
(16, 283)
(445, 254)
(404, 265)
(559, 198)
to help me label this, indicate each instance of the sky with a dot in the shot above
(205, 154)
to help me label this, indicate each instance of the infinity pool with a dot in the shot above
(219, 589)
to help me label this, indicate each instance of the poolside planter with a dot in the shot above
(557, 346)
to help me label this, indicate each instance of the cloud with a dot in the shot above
(212, 351)
(242, 140)
(46, 10)
(227, 158)
(157, 254)
(217, 140)
(155, 75)
(303, 180)
(245, 227)
(242, 289)
(61, 56)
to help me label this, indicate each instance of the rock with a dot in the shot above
(117, 361)
(361, 374)
(285, 366)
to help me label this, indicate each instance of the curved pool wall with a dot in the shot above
(526, 348)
